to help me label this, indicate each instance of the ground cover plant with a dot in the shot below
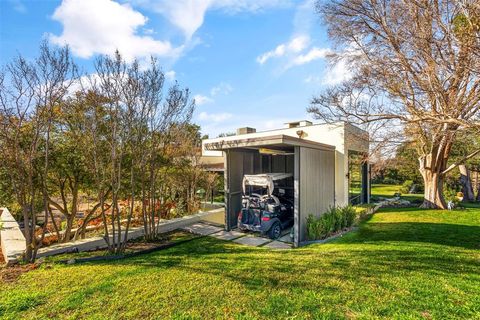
(334, 220)
(400, 264)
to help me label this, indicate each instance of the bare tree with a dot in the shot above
(138, 121)
(414, 63)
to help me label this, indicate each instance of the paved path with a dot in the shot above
(95, 243)
(206, 229)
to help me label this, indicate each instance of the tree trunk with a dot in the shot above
(433, 198)
(433, 179)
(466, 183)
(68, 229)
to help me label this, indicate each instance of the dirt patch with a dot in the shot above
(2, 261)
(11, 274)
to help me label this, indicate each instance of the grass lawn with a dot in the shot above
(388, 190)
(409, 264)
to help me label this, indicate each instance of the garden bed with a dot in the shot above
(134, 247)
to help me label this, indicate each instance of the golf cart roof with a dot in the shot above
(264, 180)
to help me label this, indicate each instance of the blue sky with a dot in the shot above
(247, 62)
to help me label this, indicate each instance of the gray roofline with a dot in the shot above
(279, 139)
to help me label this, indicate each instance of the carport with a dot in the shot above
(311, 163)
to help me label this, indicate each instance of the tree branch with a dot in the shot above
(459, 162)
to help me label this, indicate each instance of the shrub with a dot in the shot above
(335, 219)
(390, 181)
(406, 186)
(452, 195)
(350, 214)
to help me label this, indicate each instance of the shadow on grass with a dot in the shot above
(262, 268)
(456, 235)
(387, 248)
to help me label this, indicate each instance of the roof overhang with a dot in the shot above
(276, 142)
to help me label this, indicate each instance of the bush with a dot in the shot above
(390, 181)
(451, 195)
(406, 186)
(335, 219)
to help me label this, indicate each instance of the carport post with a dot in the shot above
(296, 200)
(226, 188)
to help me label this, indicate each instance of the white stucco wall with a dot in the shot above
(342, 136)
(11, 237)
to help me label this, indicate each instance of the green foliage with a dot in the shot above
(335, 219)
(402, 167)
(6, 191)
(406, 186)
(451, 195)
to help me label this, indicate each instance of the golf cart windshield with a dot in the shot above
(265, 180)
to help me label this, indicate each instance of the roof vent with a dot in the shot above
(296, 124)
(246, 130)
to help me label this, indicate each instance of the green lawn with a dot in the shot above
(411, 264)
(388, 190)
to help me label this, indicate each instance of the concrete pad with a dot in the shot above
(252, 241)
(228, 235)
(278, 245)
(202, 229)
(216, 217)
(285, 238)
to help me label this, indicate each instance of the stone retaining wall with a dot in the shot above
(11, 237)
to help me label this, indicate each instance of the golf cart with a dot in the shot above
(267, 203)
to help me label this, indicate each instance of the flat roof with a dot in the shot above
(277, 142)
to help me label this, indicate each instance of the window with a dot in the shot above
(355, 178)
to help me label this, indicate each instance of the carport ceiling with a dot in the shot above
(279, 142)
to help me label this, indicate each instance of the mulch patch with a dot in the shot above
(12, 273)
(136, 247)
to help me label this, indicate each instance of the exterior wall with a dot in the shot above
(316, 170)
(235, 168)
(11, 237)
(343, 136)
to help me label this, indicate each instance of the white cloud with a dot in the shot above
(102, 26)
(312, 79)
(297, 44)
(343, 68)
(18, 6)
(214, 117)
(311, 55)
(222, 88)
(188, 15)
(338, 73)
(170, 75)
(201, 100)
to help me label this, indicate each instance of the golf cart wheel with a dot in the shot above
(275, 231)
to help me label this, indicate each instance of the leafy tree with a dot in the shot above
(29, 93)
